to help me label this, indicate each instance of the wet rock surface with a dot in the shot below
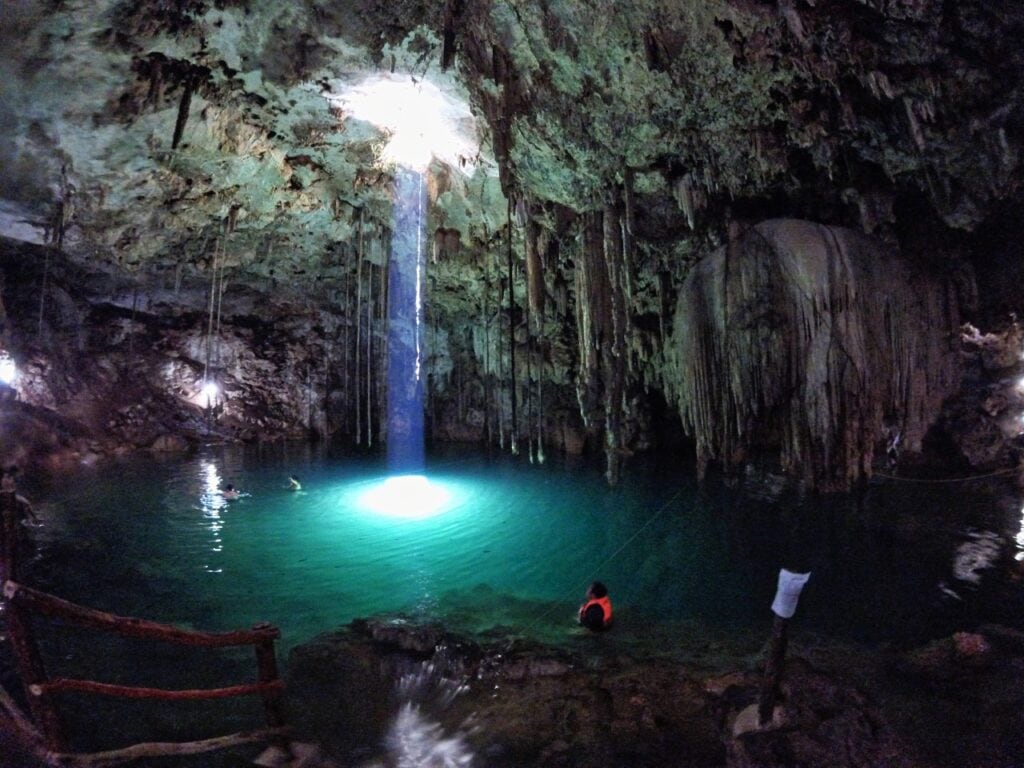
(518, 704)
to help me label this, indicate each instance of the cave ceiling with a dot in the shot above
(145, 135)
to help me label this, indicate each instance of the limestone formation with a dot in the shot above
(807, 343)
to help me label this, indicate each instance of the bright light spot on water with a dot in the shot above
(212, 478)
(410, 497)
(211, 502)
(423, 121)
(8, 370)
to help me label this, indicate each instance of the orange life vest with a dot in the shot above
(606, 606)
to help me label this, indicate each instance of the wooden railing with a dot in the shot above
(40, 690)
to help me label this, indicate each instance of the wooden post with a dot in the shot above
(266, 662)
(760, 716)
(32, 671)
(787, 594)
(9, 532)
(772, 671)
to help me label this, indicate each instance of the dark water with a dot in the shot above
(508, 548)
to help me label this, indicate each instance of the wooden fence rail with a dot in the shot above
(23, 601)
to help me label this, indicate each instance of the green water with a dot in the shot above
(512, 549)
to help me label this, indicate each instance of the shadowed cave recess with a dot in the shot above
(777, 244)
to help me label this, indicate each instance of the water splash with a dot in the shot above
(414, 739)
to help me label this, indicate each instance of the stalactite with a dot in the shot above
(539, 335)
(613, 352)
(534, 270)
(346, 383)
(514, 438)
(916, 133)
(369, 354)
(625, 286)
(382, 346)
(453, 10)
(629, 203)
(663, 289)
(210, 311)
(220, 303)
(499, 380)
(485, 322)
(593, 316)
(690, 198)
(802, 345)
(528, 406)
(359, 326)
(183, 108)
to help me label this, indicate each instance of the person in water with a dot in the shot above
(596, 611)
(294, 484)
(230, 492)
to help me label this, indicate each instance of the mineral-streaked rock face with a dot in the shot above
(203, 149)
(806, 342)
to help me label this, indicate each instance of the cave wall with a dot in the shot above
(178, 152)
(109, 365)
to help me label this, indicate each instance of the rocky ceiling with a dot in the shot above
(139, 132)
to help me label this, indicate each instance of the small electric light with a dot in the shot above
(8, 370)
(210, 391)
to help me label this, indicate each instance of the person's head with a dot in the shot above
(597, 590)
(229, 487)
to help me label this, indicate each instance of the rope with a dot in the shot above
(607, 560)
(947, 479)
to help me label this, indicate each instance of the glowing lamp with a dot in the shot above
(410, 497)
(210, 391)
(8, 370)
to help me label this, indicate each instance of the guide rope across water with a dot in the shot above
(997, 473)
(571, 595)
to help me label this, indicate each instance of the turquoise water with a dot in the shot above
(508, 551)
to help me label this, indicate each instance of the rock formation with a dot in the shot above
(814, 345)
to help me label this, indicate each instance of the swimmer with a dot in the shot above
(294, 484)
(230, 492)
(596, 611)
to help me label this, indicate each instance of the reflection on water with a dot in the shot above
(513, 550)
(211, 502)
